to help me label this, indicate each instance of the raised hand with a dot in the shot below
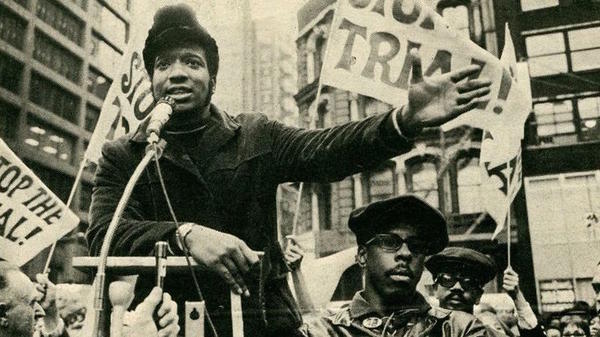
(432, 101)
(293, 253)
(139, 323)
(510, 282)
(222, 253)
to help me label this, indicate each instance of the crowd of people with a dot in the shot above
(221, 175)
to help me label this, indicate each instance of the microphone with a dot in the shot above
(159, 117)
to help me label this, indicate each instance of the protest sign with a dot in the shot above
(129, 99)
(368, 53)
(31, 216)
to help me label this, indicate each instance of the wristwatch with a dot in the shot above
(182, 232)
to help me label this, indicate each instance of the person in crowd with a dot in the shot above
(394, 236)
(459, 277)
(595, 326)
(575, 328)
(553, 332)
(222, 172)
(596, 286)
(487, 315)
(28, 309)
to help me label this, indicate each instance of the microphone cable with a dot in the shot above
(186, 251)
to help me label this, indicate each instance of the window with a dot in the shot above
(530, 5)
(98, 84)
(470, 192)
(551, 53)
(49, 141)
(57, 182)
(56, 57)
(375, 107)
(585, 48)
(12, 28)
(104, 54)
(589, 115)
(52, 97)
(9, 115)
(422, 181)
(546, 54)
(91, 117)
(112, 26)
(60, 19)
(10, 73)
(554, 118)
(566, 121)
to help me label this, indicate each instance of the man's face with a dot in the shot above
(182, 73)
(456, 291)
(392, 274)
(21, 308)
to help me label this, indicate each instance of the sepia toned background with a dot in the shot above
(56, 63)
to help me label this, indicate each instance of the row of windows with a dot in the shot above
(12, 28)
(566, 121)
(53, 98)
(49, 141)
(10, 73)
(56, 57)
(563, 51)
(60, 19)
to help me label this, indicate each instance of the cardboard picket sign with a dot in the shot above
(31, 216)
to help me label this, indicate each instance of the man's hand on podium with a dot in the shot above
(139, 323)
(222, 253)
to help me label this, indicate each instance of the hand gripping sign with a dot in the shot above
(31, 216)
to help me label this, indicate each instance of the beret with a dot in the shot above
(405, 210)
(173, 26)
(465, 260)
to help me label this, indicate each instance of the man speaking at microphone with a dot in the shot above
(221, 173)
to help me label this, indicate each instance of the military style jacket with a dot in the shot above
(359, 319)
(225, 177)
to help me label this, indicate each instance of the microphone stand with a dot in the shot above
(100, 280)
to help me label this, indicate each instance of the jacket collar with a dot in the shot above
(360, 307)
(220, 129)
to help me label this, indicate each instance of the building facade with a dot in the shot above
(443, 167)
(56, 57)
(561, 162)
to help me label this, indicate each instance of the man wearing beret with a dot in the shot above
(222, 172)
(459, 277)
(394, 236)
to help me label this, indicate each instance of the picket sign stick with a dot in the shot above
(508, 216)
(68, 205)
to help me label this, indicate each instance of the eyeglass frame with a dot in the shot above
(409, 241)
(459, 279)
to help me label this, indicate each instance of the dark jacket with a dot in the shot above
(228, 182)
(359, 319)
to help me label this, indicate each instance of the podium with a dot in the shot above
(118, 267)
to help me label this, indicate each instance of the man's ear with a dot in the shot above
(361, 256)
(3, 315)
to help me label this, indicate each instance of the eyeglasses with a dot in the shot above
(448, 281)
(74, 317)
(392, 243)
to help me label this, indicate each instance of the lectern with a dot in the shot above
(119, 267)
